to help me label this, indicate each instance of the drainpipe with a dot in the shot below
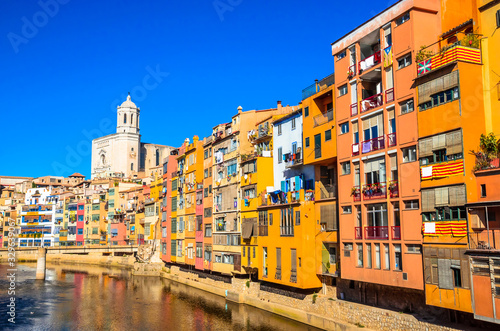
(487, 225)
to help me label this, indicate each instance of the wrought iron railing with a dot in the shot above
(370, 61)
(375, 191)
(354, 109)
(372, 102)
(323, 118)
(374, 144)
(376, 232)
(389, 95)
(396, 232)
(358, 232)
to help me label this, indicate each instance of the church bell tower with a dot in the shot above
(128, 117)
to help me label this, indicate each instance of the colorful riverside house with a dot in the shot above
(80, 222)
(286, 222)
(181, 207)
(484, 211)
(37, 218)
(449, 126)
(72, 205)
(256, 176)
(207, 202)
(319, 150)
(380, 233)
(169, 172)
(131, 201)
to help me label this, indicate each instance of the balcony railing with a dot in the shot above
(370, 61)
(372, 102)
(327, 190)
(318, 86)
(389, 95)
(295, 161)
(374, 144)
(358, 232)
(375, 191)
(354, 109)
(356, 193)
(391, 139)
(376, 232)
(396, 232)
(485, 239)
(355, 149)
(393, 189)
(323, 118)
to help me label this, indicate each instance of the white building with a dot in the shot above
(123, 152)
(289, 172)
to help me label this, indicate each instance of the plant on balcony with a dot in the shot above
(367, 190)
(471, 40)
(489, 148)
(423, 54)
(350, 73)
(354, 190)
(393, 186)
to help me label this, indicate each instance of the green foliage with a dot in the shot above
(248, 283)
(315, 296)
(423, 54)
(471, 40)
(359, 325)
(489, 148)
(33, 185)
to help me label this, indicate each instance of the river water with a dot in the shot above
(80, 297)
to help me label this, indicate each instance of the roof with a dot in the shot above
(457, 28)
(128, 103)
(288, 116)
(76, 174)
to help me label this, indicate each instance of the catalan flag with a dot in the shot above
(447, 228)
(388, 56)
(457, 53)
(441, 170)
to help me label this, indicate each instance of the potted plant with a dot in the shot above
(354, 190)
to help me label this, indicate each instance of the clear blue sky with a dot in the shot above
(64, 73)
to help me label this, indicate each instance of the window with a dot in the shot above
(343, 90)
(412, 248)
(402, 19)
(306, 111)
(398, 258)
(234, 145)
(344, 128)
(411, 204)
(347, 249)
(457, 276)
(360, 255)
(317, 146)
(347, 210)
(206, 173)
(404, 61)
(280, 154)
(332, 251)
(279, 130)
(387, 258)
(293, 124)
(498, 18)
(406, 106)
(441, 98)
(328, 135)
(368, 255)
(208, 230)
(377, 256)
(409, 154)
(341, 55)
(131, 166)
(307, 142)
(297, 217)
(249, 193)
(346, 167)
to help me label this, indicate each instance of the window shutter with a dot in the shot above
(427, 270)
(457, 195)
(425, 147)
(278, 258)
(445, 274)
(355, 126)
(328, 216)
(394, 162)
(454, 142)
(424, 93)
(464, 269)
(450, 81)
(438, 142)
(367, 167)
(441, 196)
(294, 259)
(366, 123)
(428, 199)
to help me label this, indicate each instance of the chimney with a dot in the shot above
(279, 105)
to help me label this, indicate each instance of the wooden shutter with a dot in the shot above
(445, 274)
(434, 271)
(464, 269)
(425, 147)
(428, 200)
(454, 142)
(394, 162)
(438, 142)
(456, 195)
(380, 123)
(366, 124)
(355, 127)
(450, 81)
(278, 258)
(237, 262)
(368, 167)
(427, 270)
(424, 93)
(442, 198)
(328, 216)
(294, 259)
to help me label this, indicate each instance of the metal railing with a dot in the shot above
(375, 191)
(393, 189)
(389, 95)
(356, 193)
(355, 149)
(318, 86)
(485, 239)
(372, 102)
(354, 109)
(396, 232)
(376, 232)
(391, 139)
(323, 118)
(371, 145)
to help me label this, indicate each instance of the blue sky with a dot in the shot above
(188, 65)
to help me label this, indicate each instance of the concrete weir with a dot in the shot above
(40, 263)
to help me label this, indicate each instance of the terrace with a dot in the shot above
(318, 86)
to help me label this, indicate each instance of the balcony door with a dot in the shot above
(375, 171)
(377, 214)
(317, 146)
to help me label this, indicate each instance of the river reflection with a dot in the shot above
(98, 298)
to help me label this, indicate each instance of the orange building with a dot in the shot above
(379, 181)
(207, 202)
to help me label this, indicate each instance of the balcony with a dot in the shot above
(318, 86)
(356, 193)
(433, 57)
(323, 118)
(358, 232)
(374, 144)
(377, 232)
(391, 139)
(354, 109)
(393, 189)
(351, 72)
(370, 61)
(296, 160)
(375, 191)
(372, 102)
(355, 149)
(396, 232)
(485, 240)
(389, 95)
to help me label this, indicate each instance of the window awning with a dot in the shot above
(246, 230)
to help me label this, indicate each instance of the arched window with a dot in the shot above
(132, 166)
(132, 119)
(157, 157)
(124, 118)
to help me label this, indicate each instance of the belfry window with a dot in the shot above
(124, 118)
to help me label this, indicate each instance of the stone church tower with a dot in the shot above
(122, 154)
